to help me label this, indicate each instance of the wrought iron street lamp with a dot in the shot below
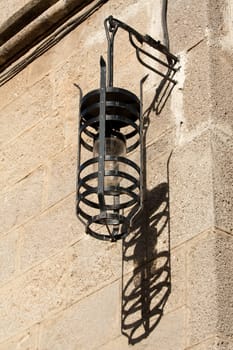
(109, 183)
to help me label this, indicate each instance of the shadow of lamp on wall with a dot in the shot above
(110, 181)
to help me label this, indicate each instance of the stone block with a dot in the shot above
(13, 88)
(224, 273)
(196, 90)
(92, 264)
(149, 237)
(62, 175)
(221, 86)
(22, 201)
(209, 287)
(55, 229)
(168, 335)
(126, 12)
(191, 189)
(40, 67)
(58, 282)
(218, 25)
(150, 233)
(25, 341)
(202, 300)
(77, 69)
(85, 325)
(157, 158)
(152, 291)
(50, 62)
(31, 297)
(120, 342)
(128, 76)
(214, 344)
(8, 256)
(222, 146)
(187, 23)
(30, 150)
(26, 110)
(144, 296)
(160, 115)
(178, 280)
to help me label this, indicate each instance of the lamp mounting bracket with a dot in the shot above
(166, 58)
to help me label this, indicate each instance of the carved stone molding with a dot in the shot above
(34, 24)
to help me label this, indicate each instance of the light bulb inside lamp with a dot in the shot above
(115, 145)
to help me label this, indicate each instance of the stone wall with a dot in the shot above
(169, 284)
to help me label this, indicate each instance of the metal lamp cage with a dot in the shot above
(107, 208)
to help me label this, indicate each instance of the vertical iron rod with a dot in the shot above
(110, 34)
(110, 62)
(102, 118)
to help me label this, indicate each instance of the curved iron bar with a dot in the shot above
(169, 66)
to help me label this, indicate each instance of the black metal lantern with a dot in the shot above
(109, 183)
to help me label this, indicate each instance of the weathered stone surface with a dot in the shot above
(158, 157)
(178, 279)
(40, 68)
(62, 175)
(187, 23)
(22, 201)
(30, 150)
(221, 86)
(26, 110)
(25, 341)
(191, 188)
(214, 344)
(202, 300)
(86, 324)
(209, 297)
(145, 294)
(162, 125)
(151, 291)
(224, 272)
(149, 238)
(91, 265)
(56, 283)
(196, 90)
(13, 88)
(160, 336)
(32, 297)
(50, 232)
(75, 70)
(8, 256)
(222, 146)
(217, 22)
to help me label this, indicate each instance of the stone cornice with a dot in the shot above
(23, 17)
(33, 24)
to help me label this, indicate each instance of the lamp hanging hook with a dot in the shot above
(111, 27)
